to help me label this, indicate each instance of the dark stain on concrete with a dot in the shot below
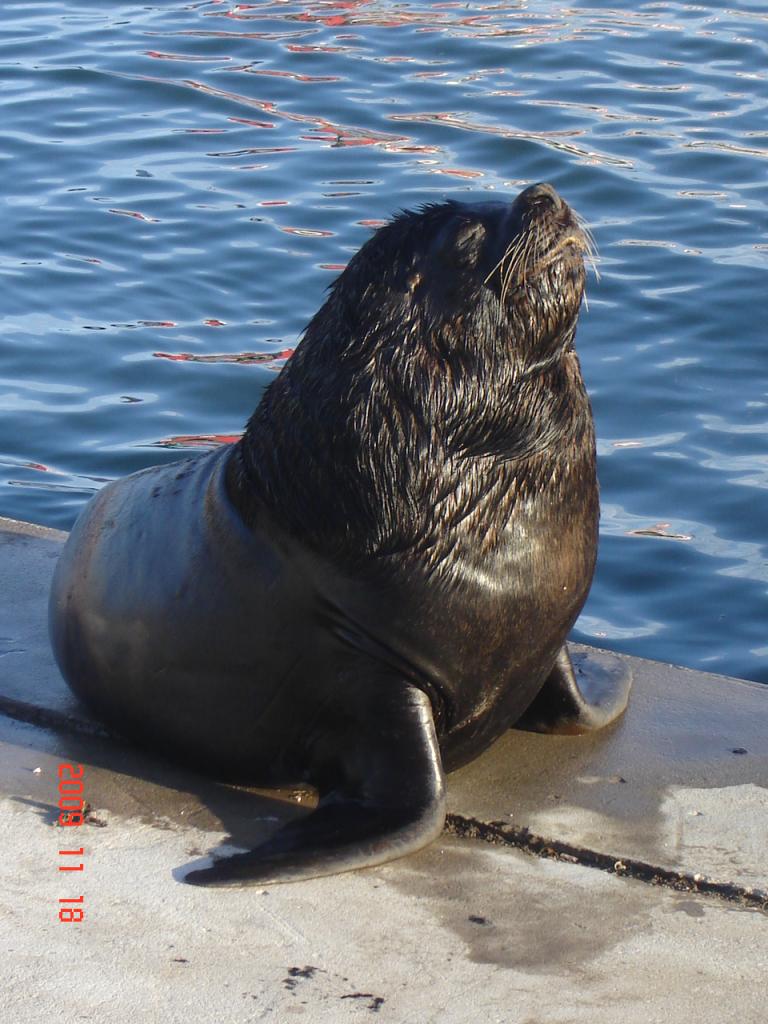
(545, 931)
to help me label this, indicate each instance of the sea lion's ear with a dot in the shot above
(377, 765)
(469, 241)
(460, 244)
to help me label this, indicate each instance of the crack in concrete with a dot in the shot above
(497, 833)
(48, 718)
(500, 833)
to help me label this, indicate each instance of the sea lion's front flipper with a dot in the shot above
(384, 796)
(580, 700)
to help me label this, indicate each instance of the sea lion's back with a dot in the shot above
(170, 618)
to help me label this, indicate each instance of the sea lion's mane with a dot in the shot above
(428, 394)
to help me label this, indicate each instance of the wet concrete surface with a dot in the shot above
(680, 781)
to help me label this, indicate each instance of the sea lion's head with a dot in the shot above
(466, 277)
(427, 384)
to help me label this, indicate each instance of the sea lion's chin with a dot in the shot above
(537, 273)
(541, 311)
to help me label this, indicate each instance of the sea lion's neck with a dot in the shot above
(404, 452)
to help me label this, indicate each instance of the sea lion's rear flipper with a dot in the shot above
(384, 796)
(581, 699)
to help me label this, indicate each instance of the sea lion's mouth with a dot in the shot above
(573, 240)
(541, 231)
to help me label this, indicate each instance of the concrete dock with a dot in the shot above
(610, 879)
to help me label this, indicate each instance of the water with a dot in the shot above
(184, 179)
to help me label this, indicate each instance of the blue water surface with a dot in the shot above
(181, 181)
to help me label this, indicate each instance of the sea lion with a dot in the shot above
(377, 580)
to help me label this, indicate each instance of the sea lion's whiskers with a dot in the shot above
(513, 255)
(592, 261)
(591, 251)
(591, 244)
(508, 253)
(492, 272)
(520, 263)
(514, 252)
(542, 246)
(511, 268)
(505, 286)
(530, 249)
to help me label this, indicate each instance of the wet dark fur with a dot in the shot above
(420, 407)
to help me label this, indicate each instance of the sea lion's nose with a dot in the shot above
(542, 194)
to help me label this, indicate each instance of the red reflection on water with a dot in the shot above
(306, 48)
(227, 357)
(273, 73)
(340, 137)
(239, 9)
(158, 55)
(157, 323)
(336, 134)
(257, 149)
(196, 440)
(458, 173)
(214, 323)
(36, 465)
(558, 139)
(485, 20)
(251, 122)
(372, 17)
